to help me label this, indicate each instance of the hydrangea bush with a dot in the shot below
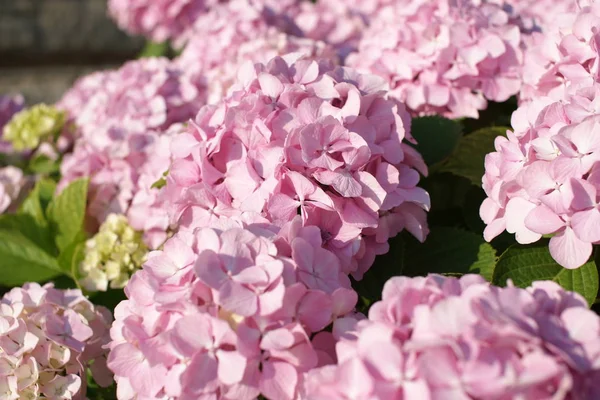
(310, 200)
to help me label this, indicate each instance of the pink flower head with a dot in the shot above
(444, 57)
(242, 31)
(298, 136)
(158, 20)
(227, 313)
(564, 57)
(338, 23)
(439, 337)
(48, 339)
(122, 120)
(543, 178)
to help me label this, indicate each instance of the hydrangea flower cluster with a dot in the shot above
(335, 22)
(444, 57)
(120, 117)
(241, 31)
(543, 177)
(158, 20)
(564, 57)
(29, 127)
(49, 338)
(443, 338)
(302, 137)
(540, 15)
(112, 255)
(9, 106)
(228, 313)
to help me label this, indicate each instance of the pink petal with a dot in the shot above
(278, 380)
(568, 250)
(586, 225)
(543, 220)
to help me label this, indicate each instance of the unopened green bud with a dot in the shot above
(29, 127)
(112, 255)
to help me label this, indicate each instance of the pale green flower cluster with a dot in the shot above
(29, 127)
(112, 255)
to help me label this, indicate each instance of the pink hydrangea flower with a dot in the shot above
(158, 20)
(564, 57)
(241, 31)
(9, 106)
(299, 136)
(12, 188)
(335, 22)
(442, 57)
(541, 14)
(543, 178)
(228, 313)
(49, 338)
(120, 119)
(441, 338)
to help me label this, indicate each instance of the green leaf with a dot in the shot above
(28, 227)
(43, 164)
(385, 267)
(524, 264)
(437, 137)
(449, 251)
(153, 49)
(22, 261)
(70, 258)
(468, 158)
(66, 213)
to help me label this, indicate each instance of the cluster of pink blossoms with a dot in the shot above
(565, 56)
(158, 20)
(444, 338)
(119, 118)
(444, 57)
(338, 23)
(229, 313)
(48, 340)
(172, 19)
(543, 178)
(299, 136)
(241, 31)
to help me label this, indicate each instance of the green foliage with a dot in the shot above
(449, 251)
(66, 213)
(468, 158)
(153, 49)
(524, 264)
(45, 239)
(23, 260)
(437, 137)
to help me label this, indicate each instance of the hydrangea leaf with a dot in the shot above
(70, 257)
(449, 251)
(44, 165)
(524, 264)
(446, 132)
(26, 226)
(23, 261)
(66, 212)
(153, 49)
(469, 157)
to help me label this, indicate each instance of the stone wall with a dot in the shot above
(46, 44)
